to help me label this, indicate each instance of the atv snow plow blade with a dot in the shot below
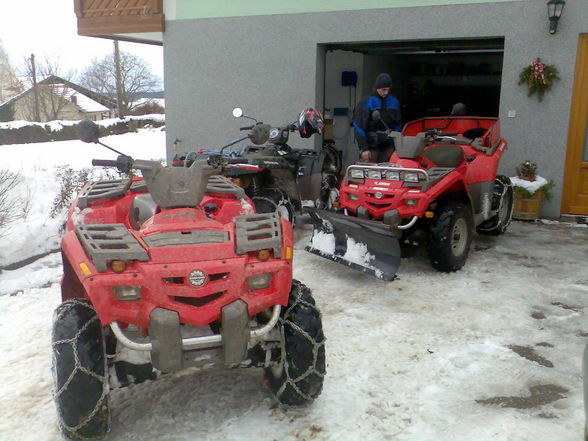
(367, 246)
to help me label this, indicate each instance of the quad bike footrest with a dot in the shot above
(105, 242)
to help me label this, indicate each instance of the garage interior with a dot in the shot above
(429, 77)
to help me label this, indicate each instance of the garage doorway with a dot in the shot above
(429, 77)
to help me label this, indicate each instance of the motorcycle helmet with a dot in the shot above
(310, 122)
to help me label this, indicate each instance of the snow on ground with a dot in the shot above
(406, 360)
(37, 164)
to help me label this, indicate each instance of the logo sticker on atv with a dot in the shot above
(383, 183)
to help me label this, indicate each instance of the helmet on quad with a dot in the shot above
(310, 122)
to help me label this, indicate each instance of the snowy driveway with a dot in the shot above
(492, 352)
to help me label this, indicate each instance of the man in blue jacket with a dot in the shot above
(374, 144)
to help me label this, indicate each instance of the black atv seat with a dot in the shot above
(444, 155)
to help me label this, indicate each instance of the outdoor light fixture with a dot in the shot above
(554, 10)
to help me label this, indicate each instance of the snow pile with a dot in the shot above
(530, 186)
(323, 242)
(358, 253)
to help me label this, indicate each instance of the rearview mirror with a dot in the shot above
(237, 112)
(87, 131)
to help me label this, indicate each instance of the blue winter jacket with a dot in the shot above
(366, 127)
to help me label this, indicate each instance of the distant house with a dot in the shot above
(55, 98)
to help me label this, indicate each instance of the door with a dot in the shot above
(575, 194)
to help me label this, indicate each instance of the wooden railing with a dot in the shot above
(108, 17)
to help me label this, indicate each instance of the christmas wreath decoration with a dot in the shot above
(538, 77)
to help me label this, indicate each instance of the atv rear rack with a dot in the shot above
(197, 342)
(103, 190)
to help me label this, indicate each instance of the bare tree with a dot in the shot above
(12, 207)
(136, 78)
(9, 84)
(52, 90)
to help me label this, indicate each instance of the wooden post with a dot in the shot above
(37, 113)
(119, 105)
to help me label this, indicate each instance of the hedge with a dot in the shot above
(65, 130)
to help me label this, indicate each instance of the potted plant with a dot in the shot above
(529, 191)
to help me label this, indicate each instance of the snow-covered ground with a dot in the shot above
(491, 352)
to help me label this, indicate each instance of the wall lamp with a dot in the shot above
(554, 10)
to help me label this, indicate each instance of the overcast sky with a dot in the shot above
(48, 28)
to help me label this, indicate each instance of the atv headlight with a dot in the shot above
(393, 176)
(374, 174)
(411, 177)
(259, 281)
(356, 173)
(127, 293)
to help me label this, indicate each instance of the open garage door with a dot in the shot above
(429, 77)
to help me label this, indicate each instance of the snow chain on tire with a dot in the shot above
(303, 371)
(82, 359)
(494, 225)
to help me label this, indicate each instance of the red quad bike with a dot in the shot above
(438, 186)
(170, 271)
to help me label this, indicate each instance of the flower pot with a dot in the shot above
(527, 207)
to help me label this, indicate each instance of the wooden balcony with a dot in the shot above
(107, 18)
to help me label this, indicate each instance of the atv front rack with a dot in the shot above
(105, 242)
(430, 177)
(257, 232)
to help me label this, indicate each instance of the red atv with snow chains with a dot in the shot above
(438, 186)
(175, 270)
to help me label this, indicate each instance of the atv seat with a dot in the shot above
(410, 147)
(444, 155)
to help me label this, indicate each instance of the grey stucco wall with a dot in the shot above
(272, 67)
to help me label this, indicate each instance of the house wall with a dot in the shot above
(23, 109)
(273, 66)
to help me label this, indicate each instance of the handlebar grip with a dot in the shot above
(104, 163)
(246, 128)
(446, 133)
